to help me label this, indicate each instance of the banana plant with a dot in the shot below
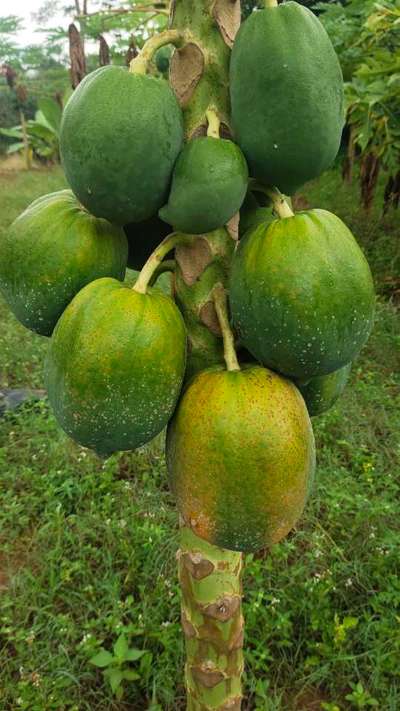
(42, 132)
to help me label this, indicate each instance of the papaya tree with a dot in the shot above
(258, 334)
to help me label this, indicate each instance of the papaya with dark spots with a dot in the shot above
(321, 393)
(115, 366)
(241, 457)
(51, 251)
(302, 294)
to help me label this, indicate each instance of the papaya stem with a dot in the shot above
(213, 123)
(279, 202)
(154, 261)
(139, 65)
(212, 621)
(221, 307)
(271, 3)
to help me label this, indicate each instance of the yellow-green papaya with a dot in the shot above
(241, 456)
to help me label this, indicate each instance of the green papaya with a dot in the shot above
(115, 366)
(321, 393)
(302, 295)
(209, 184)
(241, 457)
(50, 252)
(287, 96)
(120, 136)
(143, 238)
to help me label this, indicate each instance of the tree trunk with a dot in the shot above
(77, 56)
(25, 140)
(104, 52)
(210, 577)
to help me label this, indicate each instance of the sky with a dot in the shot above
(24, 9)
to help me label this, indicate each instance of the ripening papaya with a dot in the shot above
(120, 136)
(321, 393)
(51, 251)
(241, 456)
(287, 96)
(143, 238)
(209, 184)
(302, 294)
(115, 366)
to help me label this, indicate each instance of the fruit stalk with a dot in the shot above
(221, 307)
(154, 262)
(212, 621)
(139, 65)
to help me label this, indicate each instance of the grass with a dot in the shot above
(88, 547)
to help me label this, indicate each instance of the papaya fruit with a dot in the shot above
(302, 295)
(120, 136)
(321, 393)
(143, 238)
(115, 366)
(52, 250)
(209, 184)
(287, 96)
(241, 457)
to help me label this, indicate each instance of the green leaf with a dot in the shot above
(15, 147)
(102, 659)
(133, 654)
(52, 112)
(130, 675)
(11, 132)
(121, 647)
(115, 677)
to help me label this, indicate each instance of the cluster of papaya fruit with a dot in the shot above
(240, 447)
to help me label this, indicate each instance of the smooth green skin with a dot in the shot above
(115, 366)
(121, 134)
(302, 295)
(50, 252)
(321, 393)
(241, 457)
(209, 185)
(143, 238)
(287, 96)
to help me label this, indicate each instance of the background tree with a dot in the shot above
(366, 36)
